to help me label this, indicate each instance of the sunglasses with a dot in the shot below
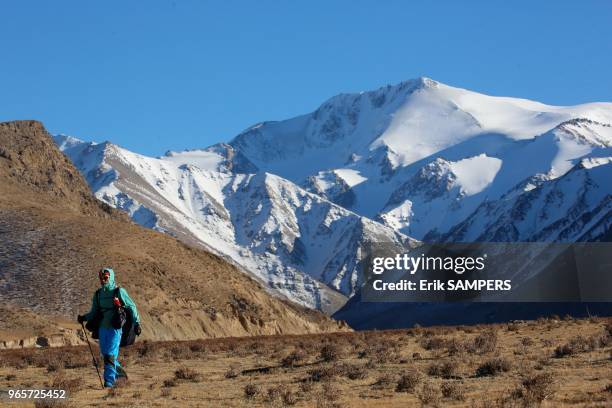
(104, 277)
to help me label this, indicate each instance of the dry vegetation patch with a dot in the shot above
(463, 366)
(187, 374)
(408, 381)
(494, 366)
(446, 369)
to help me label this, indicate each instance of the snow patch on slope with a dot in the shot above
(474, 174)
(352, 177)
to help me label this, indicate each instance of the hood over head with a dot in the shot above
(110, 285)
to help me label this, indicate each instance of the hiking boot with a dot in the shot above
(121, 373)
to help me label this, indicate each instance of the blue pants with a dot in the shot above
(109, 347)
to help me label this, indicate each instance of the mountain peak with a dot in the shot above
(426, 82)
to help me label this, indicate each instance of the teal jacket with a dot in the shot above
(106, 305)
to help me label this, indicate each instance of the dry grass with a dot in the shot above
(441, 366)
(330, 352)
(493, 367)
(251, 391)
(408, 381)
(294, 358)
(453, 391)
(446, 369)
(187, 374)
(534, 389)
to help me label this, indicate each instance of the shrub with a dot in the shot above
(605, 338)
(447, 369)
(484, 343)
(251, 391)
(185, 373)
(273, 394)
(331, 392)
(232, 373)
(547, 342)
(383, 353)
(55, 365)
(323, 373)
(197, 348)
(408, 381)
(171, 382)
(181, 352)
(541, 363)
(75, 360)
(293, 358)
(384, 380)
(433, 343)
(70, 385)
(306, 386)
(288, 397)
(429, 395)
(534, 389)
(330, 352)
(575, 345)
(453, 391)
(355, 372)
(493, 367)
(455, 346)
(563, 351)
(149, 350)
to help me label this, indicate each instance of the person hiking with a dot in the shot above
(105, 304)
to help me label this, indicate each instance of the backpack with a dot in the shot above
(125, 322)
(120, 320)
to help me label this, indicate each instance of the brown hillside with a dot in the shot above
(30, 162)
(56, 235)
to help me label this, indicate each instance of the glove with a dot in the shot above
(80, 318)
(137, 329)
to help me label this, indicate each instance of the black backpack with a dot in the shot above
(120, 320)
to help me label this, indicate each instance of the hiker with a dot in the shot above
(105, 304)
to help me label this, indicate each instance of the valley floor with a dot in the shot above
(549, 362)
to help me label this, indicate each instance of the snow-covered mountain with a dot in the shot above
(576, 206)
(421, 156)
(303, 246)
(294, 201)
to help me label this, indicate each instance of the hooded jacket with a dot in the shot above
(103, 301)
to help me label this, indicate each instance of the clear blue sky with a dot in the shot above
(159, 75)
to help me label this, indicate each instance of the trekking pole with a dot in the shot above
(95, 362)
